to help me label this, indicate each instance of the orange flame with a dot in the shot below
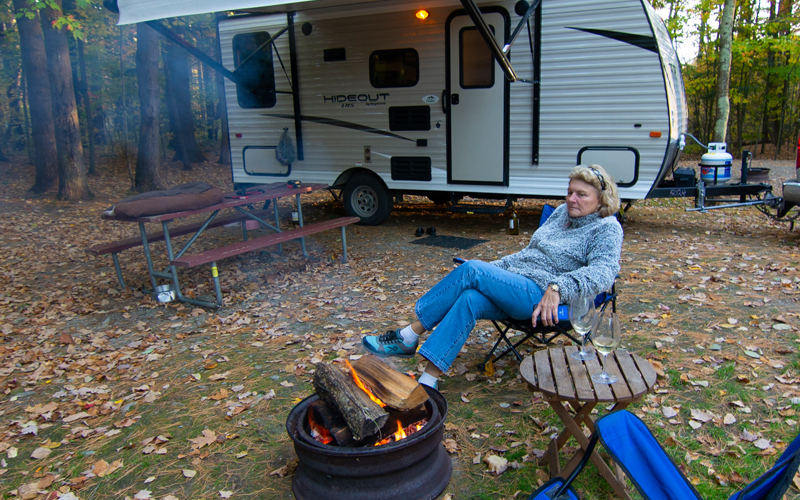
(322, 434)
(362, 386)
(400, 434)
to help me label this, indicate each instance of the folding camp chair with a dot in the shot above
(541, 334)
(630, 444)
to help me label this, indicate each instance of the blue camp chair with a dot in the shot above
(541, 334)
(631, 445)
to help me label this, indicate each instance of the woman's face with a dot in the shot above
(582, 198)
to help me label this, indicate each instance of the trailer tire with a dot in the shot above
(364, 196)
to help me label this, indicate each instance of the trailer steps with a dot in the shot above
(468, 208)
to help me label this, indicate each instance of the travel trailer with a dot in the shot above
(443, 98)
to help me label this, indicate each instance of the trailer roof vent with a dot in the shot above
(409, 118)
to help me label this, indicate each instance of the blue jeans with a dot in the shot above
(475, 290)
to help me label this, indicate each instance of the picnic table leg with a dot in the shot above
(300, 220)
(174, 273)
(215, 277)
(147, 257)
(115, 257)
(277, 224)
(344, 247)
(244, 230)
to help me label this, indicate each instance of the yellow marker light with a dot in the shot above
(422, 14)
(655, 134)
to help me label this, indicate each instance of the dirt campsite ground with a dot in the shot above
(108, 394)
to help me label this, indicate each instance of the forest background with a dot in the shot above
(126, 91)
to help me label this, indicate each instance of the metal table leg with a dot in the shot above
(277, 223)
(300, 220)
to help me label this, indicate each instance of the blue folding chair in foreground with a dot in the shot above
(632, 446)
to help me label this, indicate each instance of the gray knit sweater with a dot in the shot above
(581, 255)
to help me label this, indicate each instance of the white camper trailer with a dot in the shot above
(385, 98)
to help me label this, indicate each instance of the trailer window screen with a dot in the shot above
(394, 68)
(477, 64)
(254, 66)
(410, 118)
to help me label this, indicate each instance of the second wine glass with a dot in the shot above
(606, 338)
(581, 316)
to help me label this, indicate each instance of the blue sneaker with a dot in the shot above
(390, 344)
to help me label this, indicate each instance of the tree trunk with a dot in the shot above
(72, 185)
(175, 119)
(222, 112)
(723, 106)
(181, 95)
(28, 140)
(87, 107)
(34, 63)
(148, 161)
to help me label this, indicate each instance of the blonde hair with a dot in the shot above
(605, 185)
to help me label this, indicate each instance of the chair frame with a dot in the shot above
(777, 491)
(541, 334)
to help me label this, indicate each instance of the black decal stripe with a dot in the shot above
(643, 42)
(343, 124)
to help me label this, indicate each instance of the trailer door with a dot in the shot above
(477, 108)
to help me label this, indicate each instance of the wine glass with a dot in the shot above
(581, 315)
(606, 338)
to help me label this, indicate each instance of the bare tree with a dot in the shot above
(72, 183)
(725, 41)
(148, 161)
(34, 62)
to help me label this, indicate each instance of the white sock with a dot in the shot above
(408, 335)
(427, 379)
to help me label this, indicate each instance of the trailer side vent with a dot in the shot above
(411, 168)
(331, 55)
(410, 118)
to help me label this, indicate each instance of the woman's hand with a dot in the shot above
(547, 308)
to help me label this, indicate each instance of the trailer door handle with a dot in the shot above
(454, 99)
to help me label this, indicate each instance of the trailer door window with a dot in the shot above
(394, 68)
(254, 66)
(477, 65)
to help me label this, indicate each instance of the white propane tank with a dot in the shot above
(716, 163)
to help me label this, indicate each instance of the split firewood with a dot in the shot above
(396, 389)
(332, 421)
(363, 416)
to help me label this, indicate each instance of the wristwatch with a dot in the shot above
(554, 287)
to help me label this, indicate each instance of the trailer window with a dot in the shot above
(477, 64)
(254, 66)
(394, 68)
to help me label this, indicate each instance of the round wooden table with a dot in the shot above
(564, 379)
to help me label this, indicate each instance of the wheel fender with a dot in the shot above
(345, 177)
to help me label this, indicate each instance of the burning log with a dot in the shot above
(364, 417)
(322, 414)
(393, 388)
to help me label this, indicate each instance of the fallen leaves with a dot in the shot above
(497, 465)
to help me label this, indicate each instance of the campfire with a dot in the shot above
(369, 433)
(368, 404)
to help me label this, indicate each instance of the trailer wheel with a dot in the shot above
(364, 196)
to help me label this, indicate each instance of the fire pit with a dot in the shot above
(416, 467)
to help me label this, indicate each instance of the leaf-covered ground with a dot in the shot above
(107, 394)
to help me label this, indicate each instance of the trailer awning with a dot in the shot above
(137, 11)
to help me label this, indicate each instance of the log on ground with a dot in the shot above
(390, 386)
(363, 416)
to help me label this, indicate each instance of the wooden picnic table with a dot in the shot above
(567, 386)
(238, 201)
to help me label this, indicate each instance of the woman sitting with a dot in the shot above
(575, 252)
